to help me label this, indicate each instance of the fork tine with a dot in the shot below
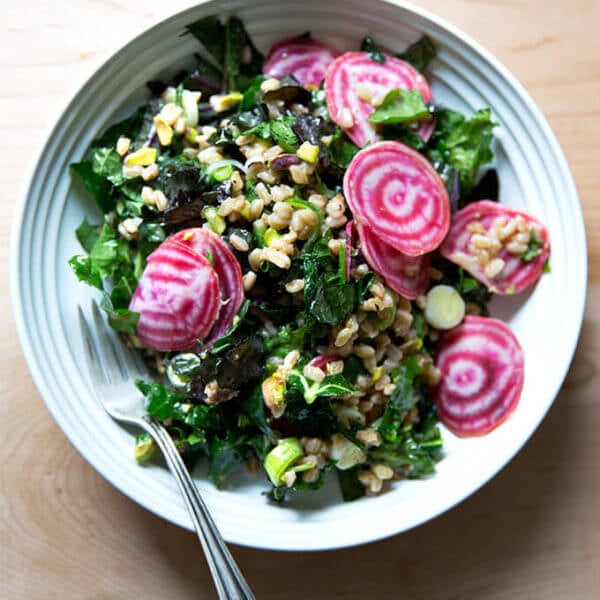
(90, 352)
(107, 349)
(129, 361)
(132, 361)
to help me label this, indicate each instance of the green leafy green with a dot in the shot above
(129, 127)
(328, 298)
(403, 399)
(226, 454)
(400, 106)
(368, 45)
(416, 451)
(350, 486)
(312, 420)
(420, 53)
(469, 146)
(120, 319)
(110, 253)
(84, 269)
(87, 235)
(210, 32)
(463, 145)
(405, 134)
(333, 386)
(279, 130)
(99, 187)
(341, 150)
(230, 48)
(107, 163)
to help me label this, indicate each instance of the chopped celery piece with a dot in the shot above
(444, 308)
(215, 221)
(145, 447)
(308, 152)
(259, 228)
(222, 173)
(270, 236)
(281, 458)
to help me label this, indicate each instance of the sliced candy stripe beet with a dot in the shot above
(322, 360)
(461, 248)
(177, 297)
(395, 192)
(304, 58)
(406, 275)
(206, 243)
(481, 362)
(354, 80)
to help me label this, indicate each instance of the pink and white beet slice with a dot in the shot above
(229, 273)
(304, 58)
(481, 362)
(355, 72)
(516, 274)
(406, 275)
(396, 193)
(177, 297)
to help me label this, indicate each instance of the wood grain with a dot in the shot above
(532, 532)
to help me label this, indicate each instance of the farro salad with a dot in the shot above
(302, 247)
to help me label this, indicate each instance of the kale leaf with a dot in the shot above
(350, 486)
(463, 144)
(400, 106)
(420, 53)
(333, 386)
(403, 399)
(99, 187)
(328, 298)
(129, 127)
(228, 45)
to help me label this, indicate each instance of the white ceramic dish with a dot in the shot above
(534, 176)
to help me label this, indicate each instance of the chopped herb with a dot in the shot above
(534, 247)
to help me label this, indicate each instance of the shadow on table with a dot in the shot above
(493, 536)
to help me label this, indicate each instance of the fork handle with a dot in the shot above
(227, 577)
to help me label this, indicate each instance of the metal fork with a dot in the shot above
(112, 368)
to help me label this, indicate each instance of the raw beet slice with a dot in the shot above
(395, 192)
(517, 274)
(304, 58)
(481, 362)
(406, 275)
(208, 244)
(177, 297)
(354, 69)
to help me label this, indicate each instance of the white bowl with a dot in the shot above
(534, 176)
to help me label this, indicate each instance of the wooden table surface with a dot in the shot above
(533, 532)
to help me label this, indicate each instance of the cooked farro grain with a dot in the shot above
(160, 200)
(239, 243)
(249, 279)
(278, 258)
(294, 286)
(254, 258)
(314, 373)
(150, 172)
(369, 437)
(123, 145)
